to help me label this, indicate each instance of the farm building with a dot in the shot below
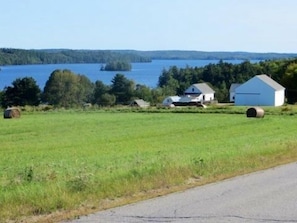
(260, 90)
(170, 100)
(232, 91)
(184, 100)
(195, 95)
(201, 91)
(140, 103)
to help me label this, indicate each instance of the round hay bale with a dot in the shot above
(255, 112)
(12, 113)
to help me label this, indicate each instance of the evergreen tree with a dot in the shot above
(24, 91)
(143, 92)
(122, 88)
(101, 96)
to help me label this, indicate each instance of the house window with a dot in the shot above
(193, 89)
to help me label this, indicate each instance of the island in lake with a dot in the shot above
(116, 66)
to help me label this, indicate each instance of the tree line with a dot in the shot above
(10, 56)
(220, 76)
(202, 55)
(67, 89)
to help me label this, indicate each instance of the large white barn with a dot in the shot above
(260, 90)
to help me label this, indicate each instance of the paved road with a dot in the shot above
(265, 196)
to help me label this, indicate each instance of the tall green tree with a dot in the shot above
(107, 100)
(169, 81)
(143, 92)
(157, 96)
(122, 88)
(1, 97)
(222, 93)
(164, 78)
(66, 89)
(101, 94)
(24, 91)
(289, 80)
(85, 89)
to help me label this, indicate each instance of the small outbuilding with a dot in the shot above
(12, 112)
(232, 91)
(140, 103)
(171, 100)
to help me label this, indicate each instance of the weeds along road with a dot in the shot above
(265, 196)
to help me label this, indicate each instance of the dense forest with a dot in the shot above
(20, 56)
(10, 56)
(221, 75)
(202, 55)
(67, 89)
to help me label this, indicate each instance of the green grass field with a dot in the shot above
(58, 162)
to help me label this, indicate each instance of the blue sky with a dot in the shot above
(204, 25)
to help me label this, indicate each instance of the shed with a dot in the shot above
(232, 91)
(12, 113)
(260, 90)
(170, 100)
(201, 90)
(140, 103)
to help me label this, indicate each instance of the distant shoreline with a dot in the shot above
(10, 56)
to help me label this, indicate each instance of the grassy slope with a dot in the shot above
(63, 161)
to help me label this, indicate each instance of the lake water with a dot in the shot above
(141, 73)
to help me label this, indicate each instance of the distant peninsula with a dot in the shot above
(11, 56)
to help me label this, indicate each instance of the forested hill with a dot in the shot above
(202, 55)
(56, 56)
(10, 56)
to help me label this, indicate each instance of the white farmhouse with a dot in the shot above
(202, 92)
(260, 90)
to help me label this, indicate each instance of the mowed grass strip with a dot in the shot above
(62, 161)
